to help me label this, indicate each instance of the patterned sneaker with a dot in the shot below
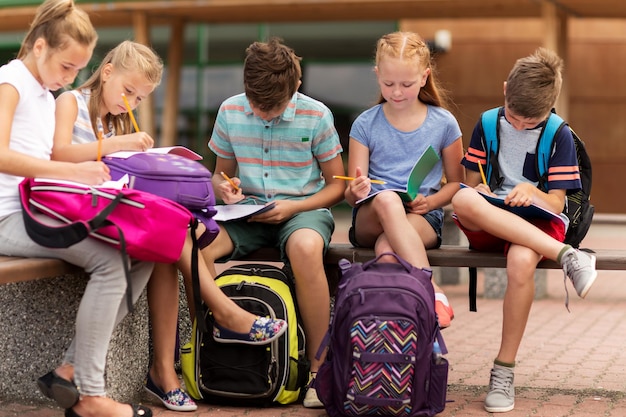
(310, 398)
(580, 267)
(176, 399)
(501, 395)
(264, 330)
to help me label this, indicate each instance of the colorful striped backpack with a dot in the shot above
(380, 358)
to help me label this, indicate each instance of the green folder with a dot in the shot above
(420, 170)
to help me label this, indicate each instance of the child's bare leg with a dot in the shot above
(305, 251)
(225, 311)
(163, 292)
(518, 298)
(476, 213)
(386, 214)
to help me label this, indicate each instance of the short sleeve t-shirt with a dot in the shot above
(393, 153)
(277, 159)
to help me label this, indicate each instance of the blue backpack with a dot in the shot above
(578, 208)
(380, 358)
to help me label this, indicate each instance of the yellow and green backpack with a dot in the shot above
(241, 374)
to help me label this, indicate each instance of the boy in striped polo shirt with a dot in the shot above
(278, 145)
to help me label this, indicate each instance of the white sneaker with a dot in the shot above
(310, 398)
(580, 267)
(501, 395)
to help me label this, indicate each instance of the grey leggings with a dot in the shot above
(103, 304)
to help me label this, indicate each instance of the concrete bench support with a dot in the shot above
(37, 323)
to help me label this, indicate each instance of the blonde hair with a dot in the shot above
(58, 21)
(534, 84)
(409, 46)
(128, 56)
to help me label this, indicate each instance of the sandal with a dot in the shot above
(59, 389)
(138, 411)
(264, 330)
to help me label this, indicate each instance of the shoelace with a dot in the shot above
(501, 380)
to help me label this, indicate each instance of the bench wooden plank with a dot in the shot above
(447, 256)
(16, 269)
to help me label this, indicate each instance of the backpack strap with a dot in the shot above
(490, 127)
(545, 146)
(64, 236)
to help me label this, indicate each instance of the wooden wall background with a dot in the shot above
(483, 52)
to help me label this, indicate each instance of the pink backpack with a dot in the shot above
(141, 225)
(147, 227)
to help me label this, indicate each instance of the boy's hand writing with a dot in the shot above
(483, 188)
(228, 194)
(522, 195)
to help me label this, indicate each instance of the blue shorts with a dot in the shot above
(433, 217)
(250, 236)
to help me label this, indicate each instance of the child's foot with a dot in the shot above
(264, 330)
(311, 399)
(445, 314)
(176, 399)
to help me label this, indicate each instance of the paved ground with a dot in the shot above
(569, 364)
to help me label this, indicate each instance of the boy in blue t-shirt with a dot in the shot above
(530, 93)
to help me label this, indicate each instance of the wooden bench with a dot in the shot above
(128, 362)
(16, 269)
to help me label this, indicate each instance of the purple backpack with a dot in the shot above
(380, 358)
(175, 177)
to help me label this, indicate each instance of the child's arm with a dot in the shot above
(525, 194)
(454, 173)
(64, 150)
(358, 167)
(23, 165)
(223, 189)
(331, 194)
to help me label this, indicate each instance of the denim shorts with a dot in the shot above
(433, 217)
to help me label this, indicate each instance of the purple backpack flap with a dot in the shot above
(171, 176)
(380, 340)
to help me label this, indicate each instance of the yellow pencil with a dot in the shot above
(130, 113)
(482, 173)
(100, 137)
(231, 182)
(341, 177)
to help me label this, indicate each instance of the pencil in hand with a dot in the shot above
(130, 113)
(341, 177)
(231, 182)
(482, 173)
(100, 137)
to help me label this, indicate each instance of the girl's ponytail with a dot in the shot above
(56, 21)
